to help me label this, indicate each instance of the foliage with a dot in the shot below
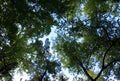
(22, 22)
(88, 36)
(91, 43)
(42, 62)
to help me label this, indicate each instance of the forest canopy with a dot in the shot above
(87, 42)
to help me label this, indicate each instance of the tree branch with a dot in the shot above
(84, 69)
(105, 68)
(106, 33)
(41, 78)
(103, 62)
(111, 63)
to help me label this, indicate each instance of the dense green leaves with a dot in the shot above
(88, 37)
(89, 43)
(21, 23)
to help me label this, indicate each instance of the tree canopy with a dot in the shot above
(90, 41)
(22, 22)
(87, 42)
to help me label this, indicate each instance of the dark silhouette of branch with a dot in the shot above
(118, 21)
(111, 63)
(103, 62)
(62, 78)
(105, 68)
(106, 33)
(41, 78)
(84, 69)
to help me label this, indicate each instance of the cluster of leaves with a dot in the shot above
(42, 62)
(92, 43)
(81, 42)
(22, 21)
(12, 47)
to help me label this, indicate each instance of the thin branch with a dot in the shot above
(62, 78)
(118, 21)
(41, 78)
(103, 62)
(106, 33)
(84, 69)
(105, 68)
(111, 63)
(99, 73)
